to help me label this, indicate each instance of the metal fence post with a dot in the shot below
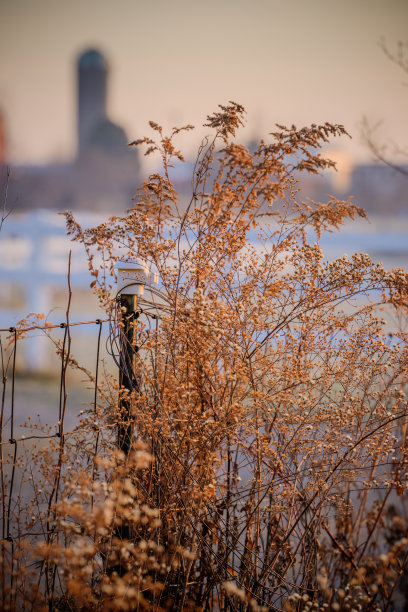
(127, 378)
(132, 274)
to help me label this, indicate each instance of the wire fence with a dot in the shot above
(13, 443)
(119, 349)
(8, 364)
(20, 452)
(11, 440)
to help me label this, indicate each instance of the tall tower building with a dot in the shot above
(92, 84)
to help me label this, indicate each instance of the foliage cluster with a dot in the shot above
(268, 465)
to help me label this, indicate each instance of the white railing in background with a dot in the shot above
(34, 252)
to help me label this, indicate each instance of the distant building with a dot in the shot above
(105, 174)
(92, 72)
(96, 132)
(380, 189)
(377, 188)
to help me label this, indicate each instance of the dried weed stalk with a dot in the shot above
(269, 405)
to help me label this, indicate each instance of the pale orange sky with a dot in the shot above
(286, 61)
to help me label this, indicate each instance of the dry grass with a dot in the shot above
(268, 464)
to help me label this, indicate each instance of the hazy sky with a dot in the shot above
(173, 61)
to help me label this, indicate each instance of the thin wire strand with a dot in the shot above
(23, 330)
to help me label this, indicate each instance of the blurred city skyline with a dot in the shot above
(294, 62)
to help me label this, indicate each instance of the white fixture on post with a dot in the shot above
(133, 275)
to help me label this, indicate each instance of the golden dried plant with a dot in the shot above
(268, 402)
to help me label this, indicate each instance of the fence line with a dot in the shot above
(9, 531)
(50, 326)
